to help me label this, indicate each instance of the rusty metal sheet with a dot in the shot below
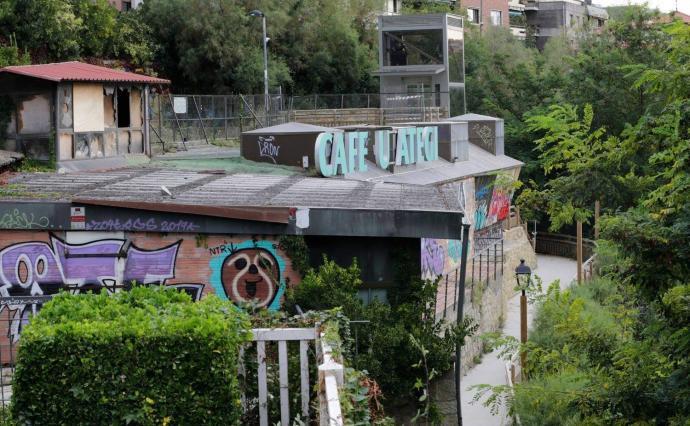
(263, 214)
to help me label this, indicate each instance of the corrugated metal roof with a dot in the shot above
(440, 171)
(247, 190)
(289, 128)
(79, 71)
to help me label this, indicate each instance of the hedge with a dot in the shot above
(144, 357)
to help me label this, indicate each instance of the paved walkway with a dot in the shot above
(491, 370)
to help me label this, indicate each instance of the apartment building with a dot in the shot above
(550, 18)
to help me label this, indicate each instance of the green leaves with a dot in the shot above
(149, 356)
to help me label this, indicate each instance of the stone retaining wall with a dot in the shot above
(487, 304)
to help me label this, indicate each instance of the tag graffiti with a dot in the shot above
(267, 148)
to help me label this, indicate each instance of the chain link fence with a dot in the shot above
(182, 121)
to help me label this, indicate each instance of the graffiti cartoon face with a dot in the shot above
(251, 274)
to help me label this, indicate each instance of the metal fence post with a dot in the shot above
(480, 266)
(495, 258)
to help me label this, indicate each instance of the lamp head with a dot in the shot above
(256, 13)
(523, 275)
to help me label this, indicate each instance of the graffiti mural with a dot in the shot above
(249, 272)
(487, 237)
(433, 258)
(500, 206)
(44, 268)
(483, 192)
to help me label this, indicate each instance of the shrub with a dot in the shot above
(148, 356)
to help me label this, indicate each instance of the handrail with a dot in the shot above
(331, 378)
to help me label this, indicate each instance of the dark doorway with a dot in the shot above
(122, 108)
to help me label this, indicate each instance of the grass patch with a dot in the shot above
(13, 190)
(30, 165)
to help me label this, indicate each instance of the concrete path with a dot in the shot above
(491, 370)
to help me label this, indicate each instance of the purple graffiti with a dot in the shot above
(26, 267)
(150, 266)
(433, 258)
(40, 269)
(94, 263)
(142, 225)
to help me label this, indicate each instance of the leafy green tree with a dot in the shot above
(48, 28)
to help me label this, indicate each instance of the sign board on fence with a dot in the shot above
(78, 218)
(180, 104)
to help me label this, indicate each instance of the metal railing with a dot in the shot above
(563, 245)
(485, 266)
(488, 263)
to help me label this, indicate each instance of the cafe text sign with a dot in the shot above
(338, 153)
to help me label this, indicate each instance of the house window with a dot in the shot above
(473, 15)
(572, 20)
(126, 5)
(496, 18)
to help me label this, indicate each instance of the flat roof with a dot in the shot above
(440, 171)
(236, 203)
(80, 71)
(220, 189)
(292, 127)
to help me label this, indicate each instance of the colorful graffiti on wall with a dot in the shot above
(492, 202)
(40, 265)
(482, 195)
(39, 268)
(433, 258)
(249, 272)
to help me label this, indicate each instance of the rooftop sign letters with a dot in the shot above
(338, 153)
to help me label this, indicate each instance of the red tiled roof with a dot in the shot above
(79, 71)
(682, 16)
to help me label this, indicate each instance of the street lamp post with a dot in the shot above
(523, 275)
(259, 14)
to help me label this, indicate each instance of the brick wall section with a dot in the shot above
(487, 6)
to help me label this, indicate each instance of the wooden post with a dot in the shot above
(523, 332)
(597, 208)
(579, 252)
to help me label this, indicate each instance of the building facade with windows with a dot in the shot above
(79, 115)
(422, 56)
(487, 12)
(551, 18)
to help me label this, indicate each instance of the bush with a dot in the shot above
(148, 356)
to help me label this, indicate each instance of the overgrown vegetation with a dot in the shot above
(384, 339)
(146, 356)
(615, 351)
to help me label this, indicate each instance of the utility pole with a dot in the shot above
(260, 14)
(579, 252)
(461, 303)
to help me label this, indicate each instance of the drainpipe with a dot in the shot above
(481, 17)
(461, 303)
